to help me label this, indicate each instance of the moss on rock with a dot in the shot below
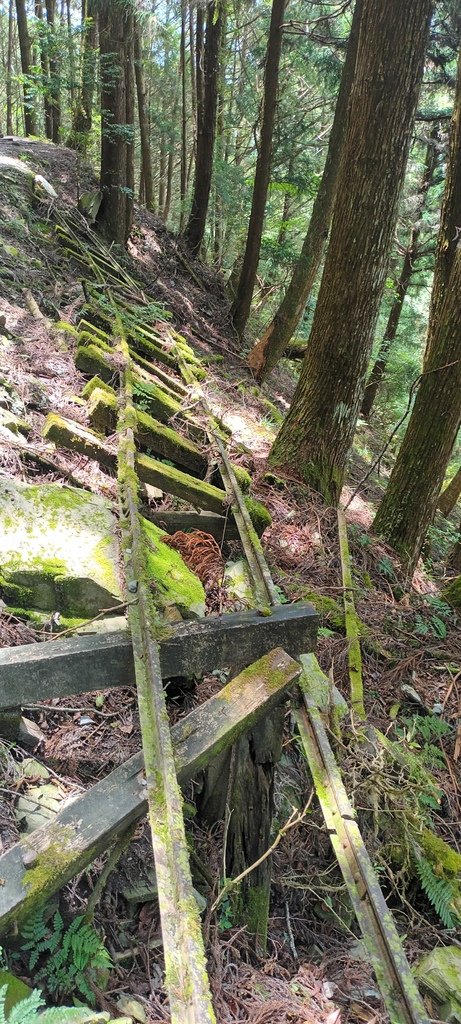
(452, 593)
(172, 582)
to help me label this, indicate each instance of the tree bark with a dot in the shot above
(9, 72)
(182, 71)
(25, 49)
(269, 349)
(317, 434)
(242, 303)
(54, 79)
(450, 494)
(117, 110)
(45, 69)
(406, 273)
(83, 112)
(143, 119)
(410, 501)
(195, 227)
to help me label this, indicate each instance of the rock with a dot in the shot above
(238, 584)
(58, 549)
(439, 975)
(30, 733)
(9, 421)
(38, 805)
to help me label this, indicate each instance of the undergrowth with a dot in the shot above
(67, 958)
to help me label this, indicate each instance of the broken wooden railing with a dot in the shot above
(40, 864)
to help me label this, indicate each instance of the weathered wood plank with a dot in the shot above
(33, 869)
(221, 527)
(79, 664)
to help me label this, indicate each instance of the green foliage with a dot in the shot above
(439, 891)
(69, 957)
(32, 1011)
(421, 733)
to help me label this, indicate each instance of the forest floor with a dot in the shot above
(316, 969)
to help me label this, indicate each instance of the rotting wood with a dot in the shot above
(393, 973)
(186, 979)
(40, 864)
(81, 664)
(354, 653)
(150, 433)
(74, 437)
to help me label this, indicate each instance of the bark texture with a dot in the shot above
(450, 495)
(242, 303)
(54, 64)
(271, 346)
(195, 227)
(30, 125)
(406, 273)
(410, 501)
(82, 117)
(117, 112)
(143, 118)
(317, 434)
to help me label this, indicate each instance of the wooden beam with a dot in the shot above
(221, 527)
(41, 863)
(79, 664)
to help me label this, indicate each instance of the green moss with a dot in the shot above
(440, 855)
(96, 383)
(173, 583)
(259, 515)
(452, 593)
(89, 338)
(160, 404)
(327, 607)
(254, 912)
(64, 325)
(243, 478)
(90, 359)
(87, 325)
(274, 413)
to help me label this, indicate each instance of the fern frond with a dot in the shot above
(26, 1011)
(439, 892)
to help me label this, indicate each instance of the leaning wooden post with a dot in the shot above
(185, 965)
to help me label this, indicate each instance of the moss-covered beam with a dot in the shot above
(68, 434)
(80, 664)
(182, 485)
(354, 653)
(42, 863)
(150, 433)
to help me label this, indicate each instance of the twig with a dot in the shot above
(296, 817)
(104, 611)
(114, 856)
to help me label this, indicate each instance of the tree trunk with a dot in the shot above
(53, 57)
(317, 434)
(82, 117)
(454, 559)
(25, 50)
(45, 68)
(410, 501)
(9, 72)
(195, 227)
(117, 97)
(408, 268)
(183, 171)
(199, 71)
(450, 495)
(271, 346)
(242, 303)
(143, 119)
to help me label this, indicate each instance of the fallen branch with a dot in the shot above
(354, 654)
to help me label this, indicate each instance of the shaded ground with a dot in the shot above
(314, 971)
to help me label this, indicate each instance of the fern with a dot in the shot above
(31, 1011)
(70, 955)
(439, 891)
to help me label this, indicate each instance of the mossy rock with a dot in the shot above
(58, 549)
(172, 582)
(439, 975)
(329, 609)
(452, 593)
(96, 384)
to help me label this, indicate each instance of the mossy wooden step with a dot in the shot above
(41, 863)
(150, 433)
(91, 359)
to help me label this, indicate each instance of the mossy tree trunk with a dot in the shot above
(206, 128)
(271, 346)
(117, 136)
(25, 49)
(242, 302)
(9, 72)
(317, 434)
(143, 119)
(409, 503)
(83, 112)
(55, 78)
(406, 273)
(450, 495)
